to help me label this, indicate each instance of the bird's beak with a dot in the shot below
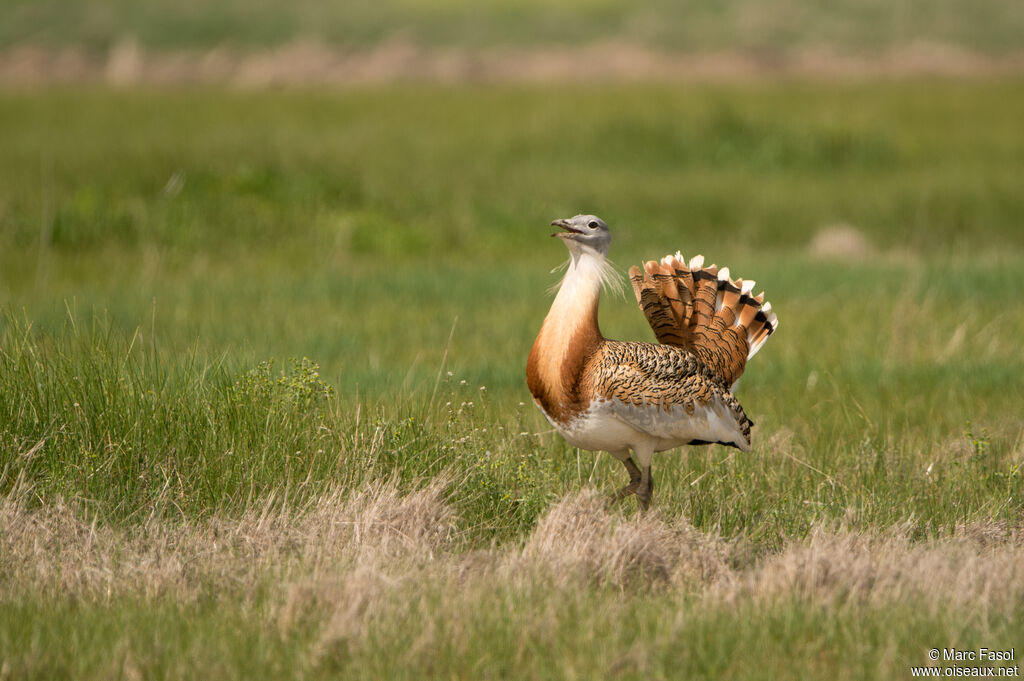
(564, 224)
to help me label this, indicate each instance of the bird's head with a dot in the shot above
(583, 232)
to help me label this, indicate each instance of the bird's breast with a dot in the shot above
(558, 366)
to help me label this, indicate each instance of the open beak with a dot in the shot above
(564, 224)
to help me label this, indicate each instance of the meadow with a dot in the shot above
(990, 27)
(263, 412)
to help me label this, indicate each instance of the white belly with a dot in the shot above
(614, 426)
(596, 431)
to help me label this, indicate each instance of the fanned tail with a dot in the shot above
(705, 311)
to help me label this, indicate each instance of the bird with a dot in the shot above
(632, 399)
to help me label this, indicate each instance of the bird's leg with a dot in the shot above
(634, 480)
(634, 476)
(645, 489)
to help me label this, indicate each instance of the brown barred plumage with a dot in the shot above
(625, 396)
(703, 310)
(660, 377)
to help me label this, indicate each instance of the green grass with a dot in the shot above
(990, 26)
(165, 255)
(626, 637)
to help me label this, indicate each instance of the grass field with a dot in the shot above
(988, 26)
(262, 407)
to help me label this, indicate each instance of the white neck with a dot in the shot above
(575, 305)
(580, 289)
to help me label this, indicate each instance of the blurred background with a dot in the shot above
(987, 27)
(345, 181)
(315, 41)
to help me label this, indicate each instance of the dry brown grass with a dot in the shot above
(307, 62)
(981, 566)
(350, 557)
(53, 549)
(580, 539)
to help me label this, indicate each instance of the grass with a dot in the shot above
(262, 409)
(992, 26)
(377, 587)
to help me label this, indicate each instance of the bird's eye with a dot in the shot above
(592, 225)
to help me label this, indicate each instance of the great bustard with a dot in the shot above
(618, 396)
